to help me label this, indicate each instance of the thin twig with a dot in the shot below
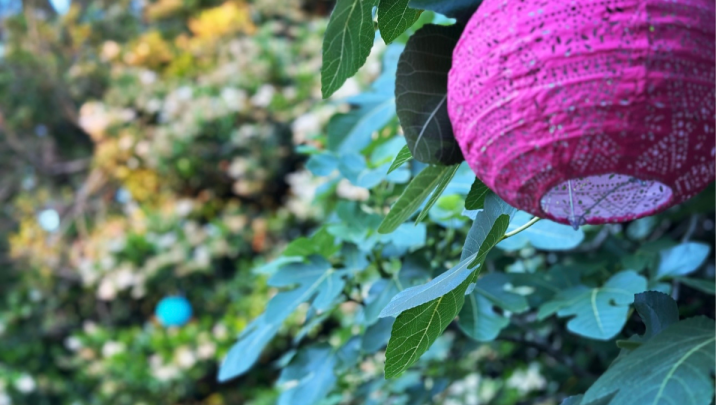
(596, 242)
(691, 228)
(522, 228)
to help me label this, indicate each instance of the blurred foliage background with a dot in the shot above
(146, 150)
(156, 148)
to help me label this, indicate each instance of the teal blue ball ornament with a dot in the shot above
(173, 311)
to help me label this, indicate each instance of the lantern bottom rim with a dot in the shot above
(604, 198)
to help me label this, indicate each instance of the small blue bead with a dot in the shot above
(173, 311)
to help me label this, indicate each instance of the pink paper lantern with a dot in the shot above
(588, 111)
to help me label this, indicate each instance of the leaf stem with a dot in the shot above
(522, 228)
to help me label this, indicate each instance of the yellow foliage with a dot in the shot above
(94, 246)
(33, 244)
(229, 18)
(162, 9)
(78, 31)
(143, 184)
(109, 157)
(183, 65)
(150, 50)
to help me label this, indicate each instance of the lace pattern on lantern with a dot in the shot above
(604, 198)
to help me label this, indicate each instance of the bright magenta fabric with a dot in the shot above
(618, 95)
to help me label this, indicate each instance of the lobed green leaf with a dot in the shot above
(673, 367)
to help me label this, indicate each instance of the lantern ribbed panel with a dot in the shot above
(611, 100)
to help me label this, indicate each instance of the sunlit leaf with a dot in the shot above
(577, 400)
(597, 313)
(349, 354)
(442, 185)
(402, 157)
(322, 164)
(476, 197)
(412, 197)
(351, 132)
(321, 243)
(311, 376)
(417, 328)
(641, 228)
(376, 336)
(348, 39)
(316, 278)
(247, 349)
(380, 294)
(394, 18)
(682, 259)
(487, 229)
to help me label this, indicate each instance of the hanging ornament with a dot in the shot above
(588, 111)
(173, 311)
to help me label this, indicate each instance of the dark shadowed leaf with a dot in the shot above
(706, 286)
(477, 318)
(450, 8)
(657, 311)
(546, 284)
(421, 94)
(673, 367)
